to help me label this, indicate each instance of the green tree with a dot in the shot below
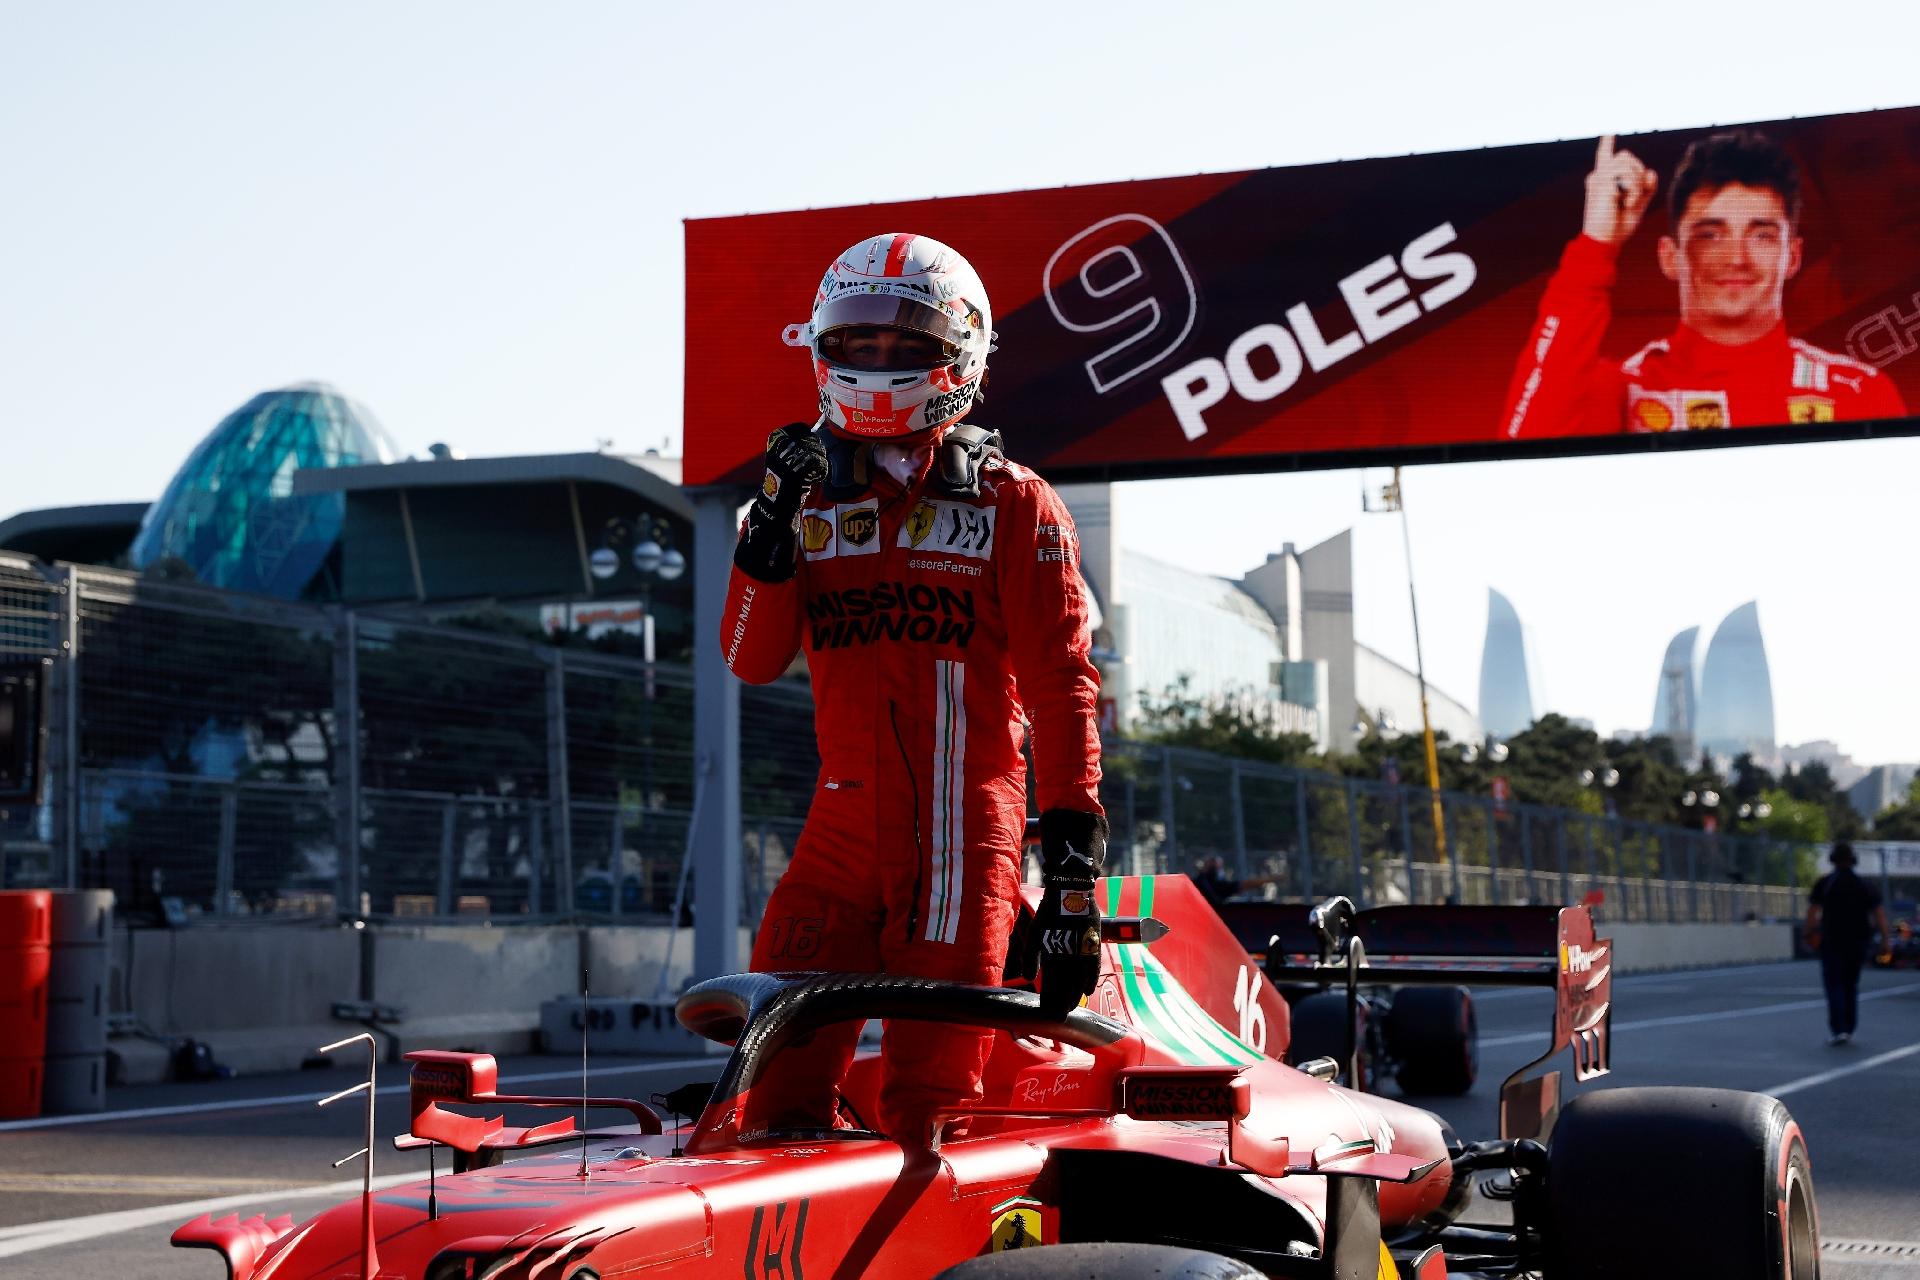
(1814, 781)
(1900, 821)
(1791, 819)
(1229, 725)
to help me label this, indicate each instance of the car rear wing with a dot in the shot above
(1453, 946)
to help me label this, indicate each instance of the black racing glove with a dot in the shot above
(769, 544)
(1066, 933)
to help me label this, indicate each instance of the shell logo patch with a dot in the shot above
(1652, 415)
(815, 534)
(1016, 1225)
(770, 486)
(919, 524)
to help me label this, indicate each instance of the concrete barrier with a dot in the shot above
(1644, 948)
(262, 996)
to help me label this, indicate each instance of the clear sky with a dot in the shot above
(468, 217)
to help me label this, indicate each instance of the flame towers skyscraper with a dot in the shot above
(1736, 688)
(1724, 705)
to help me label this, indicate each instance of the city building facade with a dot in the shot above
(1279, 639)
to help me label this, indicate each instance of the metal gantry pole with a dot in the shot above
(559, 780)
(716, 742)
(346, 718)
(70, 735)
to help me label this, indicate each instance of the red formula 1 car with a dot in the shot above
(1154, 1132)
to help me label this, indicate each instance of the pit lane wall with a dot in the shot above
(262, 998)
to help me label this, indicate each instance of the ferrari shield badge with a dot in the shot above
(1016, 1225)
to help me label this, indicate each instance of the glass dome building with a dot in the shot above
(230, 515)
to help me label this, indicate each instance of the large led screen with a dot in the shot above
(1681, 287)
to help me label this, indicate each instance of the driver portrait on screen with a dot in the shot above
(1732, 243)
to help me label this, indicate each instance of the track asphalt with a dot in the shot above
(98, 1196)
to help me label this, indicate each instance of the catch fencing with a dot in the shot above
(213, 756)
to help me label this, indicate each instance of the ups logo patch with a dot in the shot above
(859, 524)
(1706, 413)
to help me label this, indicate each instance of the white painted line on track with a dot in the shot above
(1837, 1073)
(33, 1236)
(297, 1099)
(1714, 1015)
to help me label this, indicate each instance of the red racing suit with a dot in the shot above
(937, 630)
(1563, 386)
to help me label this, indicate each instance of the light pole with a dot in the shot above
(655, 559)
(1392, 498)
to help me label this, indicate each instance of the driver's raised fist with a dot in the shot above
(1618, 192)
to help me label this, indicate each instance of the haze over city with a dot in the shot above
(470, 220)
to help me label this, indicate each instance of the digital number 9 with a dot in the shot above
(1123, 274)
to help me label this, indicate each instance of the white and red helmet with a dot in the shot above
(898, 281)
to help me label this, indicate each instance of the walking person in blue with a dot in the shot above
(1840, 917)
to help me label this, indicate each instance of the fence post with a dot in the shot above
(443, 897)
(1560, 852)
(1406, 845)
(1493, 856)
(1526, 853)
(223, 857)
(1300, 829)
(1886, 877)
(617, 859)
(1239, 823)
(536, 857)
(1693, 878)
(346, 788)
(1170, 848)
(1453, 858)
(559, 786)
(1666, 873)
(1617, 829)
(1353, 845)
(70, 729)
(1593, 857)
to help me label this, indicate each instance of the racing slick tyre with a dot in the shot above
(1434, 1036)
(1659, 1183)
(1319, 1030)
(1102, 1262)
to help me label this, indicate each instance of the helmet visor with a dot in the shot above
(883, 311)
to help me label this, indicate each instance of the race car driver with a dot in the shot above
(1732, 244)
(934, 587)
